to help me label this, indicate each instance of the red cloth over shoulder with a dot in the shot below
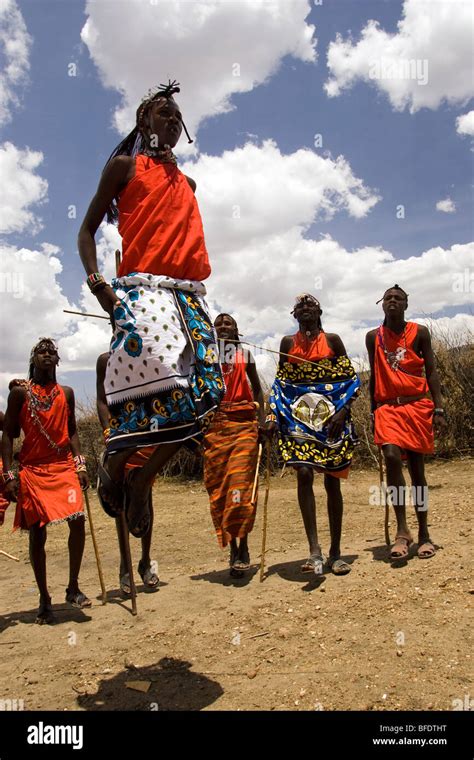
(309, 349)
(160, 224)
(236, 382)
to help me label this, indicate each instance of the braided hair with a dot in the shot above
(135, 141)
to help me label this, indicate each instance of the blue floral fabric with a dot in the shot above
(305, 396)
(163, 381)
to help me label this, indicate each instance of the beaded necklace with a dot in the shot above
(393, 358)
(43, 402)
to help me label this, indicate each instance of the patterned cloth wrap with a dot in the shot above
(304, 398)
(163, 381)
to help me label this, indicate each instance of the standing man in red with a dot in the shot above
(403, 372)
(52, 469)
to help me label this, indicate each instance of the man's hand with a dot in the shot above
(83, 480)
(11, 490)
(336, 425)
(108, 300)
(440, 424)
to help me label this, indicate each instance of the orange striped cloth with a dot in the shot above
(230, 461)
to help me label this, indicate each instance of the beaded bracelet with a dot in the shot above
(79, 459)
(96, 282)
(270, 418)
(106, 434)
(8, 476)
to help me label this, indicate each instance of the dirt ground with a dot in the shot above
(381, 638)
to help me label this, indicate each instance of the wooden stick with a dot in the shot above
(265, 504)
(383, 491)
(123, 527)
(96, 548)
(255, 480)
(86, 314)
(10, 556)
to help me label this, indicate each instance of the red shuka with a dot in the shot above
(160, 224)
(309, 349)
(49, 489)
(236, 382)
(409, 426)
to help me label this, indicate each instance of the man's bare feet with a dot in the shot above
(76, 598)
(45, 614)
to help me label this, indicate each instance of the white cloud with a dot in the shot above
(15, 43)
(214, 49)
(446, 205)
(20, 188)
(465, 124)
(428, 60)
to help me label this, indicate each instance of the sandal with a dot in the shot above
(242, 564)
(314, 564)
(148, 576)
(139, 524)
(125, 587)
(403, 543)
(426, 550)
(77, 599)
(109, 493)
(338, 566)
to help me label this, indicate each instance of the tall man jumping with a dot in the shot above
(403, 371)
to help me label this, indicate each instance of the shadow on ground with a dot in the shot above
(172, 686)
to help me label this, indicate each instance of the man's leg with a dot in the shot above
(147, 573)
(77, 538)
(416, 467)
(38, 562)
(307, 505)
(335, 511)
(141, 480)
(396, 485)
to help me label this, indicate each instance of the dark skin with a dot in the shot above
(161, 126)
(103, 414)
(308, 314)
(226, 331)
(45, 362)
(394, 305)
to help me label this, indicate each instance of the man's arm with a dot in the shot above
(285, 347)
(11, 430)
(102, 409)
(336, 344)
(370, 346)
(74, 437)
(252, 373)
(431, 372)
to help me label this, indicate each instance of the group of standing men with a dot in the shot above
(163, 384)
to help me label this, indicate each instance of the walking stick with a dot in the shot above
(255, 480)
(383, 491)
(265, 511)
(10, 556)
(122, 523)
(96, 548)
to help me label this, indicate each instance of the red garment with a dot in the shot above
(160, 224)
(409, 426)
(310, 349)
(236, 382)
(49, 489)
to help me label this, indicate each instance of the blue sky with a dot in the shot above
(415, 159)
